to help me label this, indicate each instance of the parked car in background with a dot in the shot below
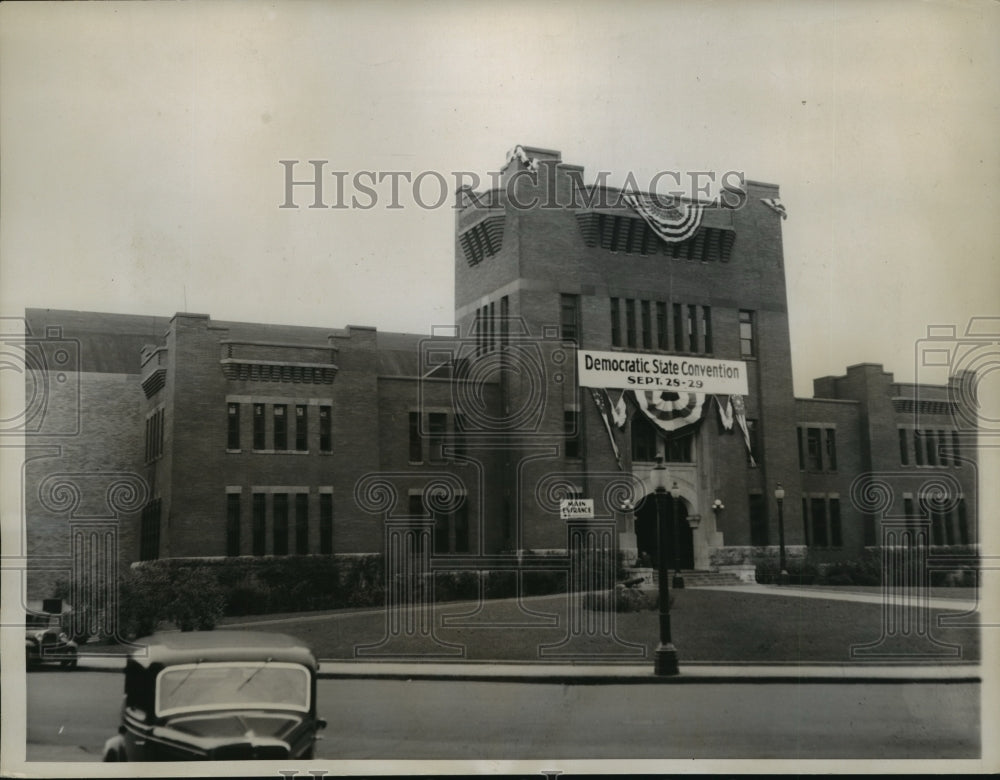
(46, 634)
(218, 696)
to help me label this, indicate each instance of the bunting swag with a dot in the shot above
(671, 220)
(725, 412)
(610, 417)
(670, 411)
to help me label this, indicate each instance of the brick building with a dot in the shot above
(229, 438)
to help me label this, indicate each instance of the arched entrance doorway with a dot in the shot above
(679, 541)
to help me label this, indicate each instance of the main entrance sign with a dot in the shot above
(647, 371)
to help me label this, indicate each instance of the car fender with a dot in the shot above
(114, 749)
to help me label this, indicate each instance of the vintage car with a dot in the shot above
(217, 696)
(46, 634)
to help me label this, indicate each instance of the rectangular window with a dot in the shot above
(616, 324)
(949, 527)
(692, 328)
(930, 447)
(493, 325)
(813, 449)
(149, 532)
(280, 509)
(442, 529)
(569, 319)
(301, 523)
(437, 427)
(963, 522)
(805, 521)
(747, 346)
(758, 520)
(232, 524)
(461, 521)
(904, 448)
(818, 507)
(802, 454)
(678, 448)
(416, 442)
(280, 427)
(154, 435)
(753, 431)
(325, 429)
(908, 510)
(259, 442)
(954, 449)
(259, 524)
(416, 505)
(661, 326)
(836, 533)
(630, 322)
(831, 449)
(937, 524)
(942, 448)
(572, 433)
(706, 327)
(647, 325)
(918, 448)
(233, 427)
(326, 523)
(643, 439)
(678, 328)
(461, 450)
(301, 428)
(504, 321)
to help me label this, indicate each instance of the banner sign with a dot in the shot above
(576, 509)
(646, 371)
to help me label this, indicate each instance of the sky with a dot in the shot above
(140, 147)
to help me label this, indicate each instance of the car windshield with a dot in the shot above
(243, 685)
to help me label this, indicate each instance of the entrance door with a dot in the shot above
(679, 542)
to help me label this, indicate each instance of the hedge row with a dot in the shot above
(865, 569)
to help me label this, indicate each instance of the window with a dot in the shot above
(233, 427)
(416, 444)
(437, 425)
(325, 429)
(451, 531)
(301, 428)
(954, 449)
(805, 521)
(258, 427)
(326, 523)
(492, 326)
(942, 448)
(677, 448)
(280, 523)
(661, 326)
(154, 435)
(753, 433)
(149, 532)
(232, 524)
(747, 346)
(643, 439)
(647, 325)
(280, 427)
(802, 454)
(918, 448)
(504, 321)
(630, 322)
(416, 507)
(259, 524)
(836, 533)
(301, 523)
(572, 433)
(831, 449)
(813, 451)
(692, 328)
(963, 522)
(461, 450)
(904, 448)
(678, 328)
(758, 520)
(569, 317)
(818, 507)
(616, 326)
(930, 447)
(461, 519)
(706, 326)
(442, 528)
(908, 509)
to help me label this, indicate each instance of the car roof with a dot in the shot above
(167, 649)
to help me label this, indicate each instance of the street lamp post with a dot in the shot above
(675, 491)
(779, 495)
(665, 657)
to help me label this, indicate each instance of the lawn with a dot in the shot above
(707, 626)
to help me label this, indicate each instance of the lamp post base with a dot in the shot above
(783, 577)
(678, 582)
(665, 661)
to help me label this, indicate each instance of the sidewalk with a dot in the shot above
(814, 592)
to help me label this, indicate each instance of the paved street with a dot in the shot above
(71, 714)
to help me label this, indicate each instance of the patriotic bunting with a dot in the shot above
(725, 412)
(670, 219)
(776, 206)
(610, 419)
(740, 412)
(670, 411)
